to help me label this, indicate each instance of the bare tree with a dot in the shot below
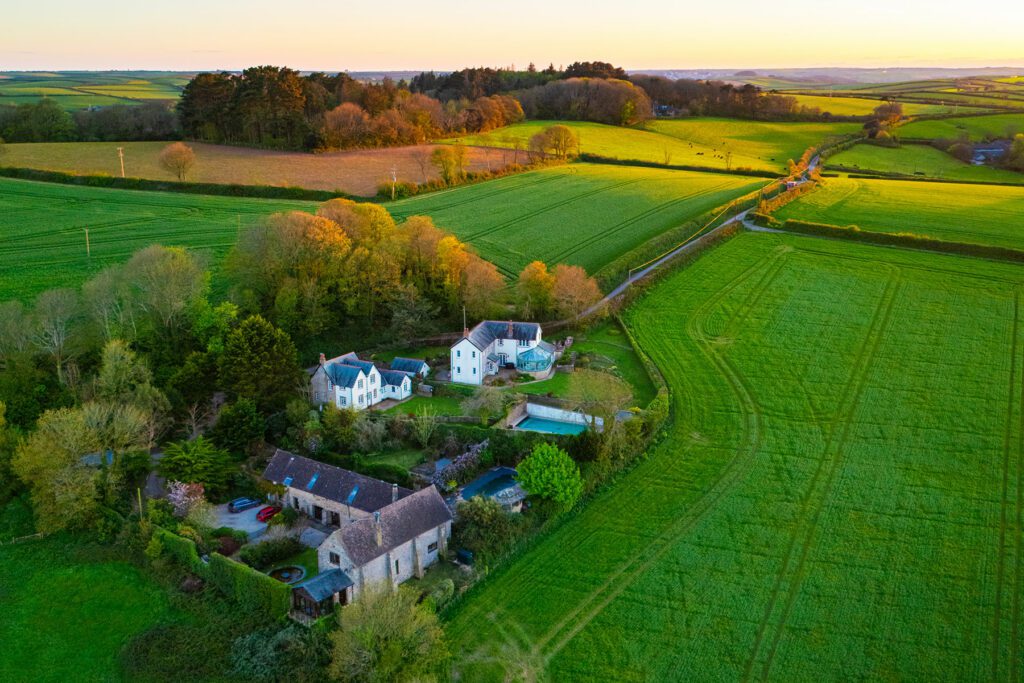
(421, 155)
(178, 158)
(14, 329)
(56, 311)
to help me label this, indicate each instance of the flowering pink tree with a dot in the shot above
(184, 497)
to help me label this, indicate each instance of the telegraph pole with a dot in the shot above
(88, 249)
(394, 181)
(120, 154)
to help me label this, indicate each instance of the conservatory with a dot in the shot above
(537, 359)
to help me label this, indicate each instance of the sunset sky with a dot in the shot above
(448, 34)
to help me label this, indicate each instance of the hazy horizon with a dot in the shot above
(314, 35)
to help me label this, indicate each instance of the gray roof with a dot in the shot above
(412, 365)
(400, 522)
(330, 482)
(393, 377)
(343, 374)
(325, 584)
(489, 330)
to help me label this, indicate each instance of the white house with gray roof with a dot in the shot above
(493, 345)
(347, 382)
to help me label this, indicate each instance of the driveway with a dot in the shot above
(243, 521)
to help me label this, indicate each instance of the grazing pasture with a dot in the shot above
(42, 236)
(838, 497)
(980, 214)
(583, 214)
(918, 160)
(862, 106)
(977, 127)
(692, 141)
(357, 172)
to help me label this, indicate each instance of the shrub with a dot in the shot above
(286, 517)
(183, 550)
(485, 528)
(267, 553)
(550, 473)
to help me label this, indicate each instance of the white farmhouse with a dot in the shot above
(347, 382)
(493, 345)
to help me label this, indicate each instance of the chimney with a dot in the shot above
(380, 531)
(394, 492)
(323, 359)
(510, 330)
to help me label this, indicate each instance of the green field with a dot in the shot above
(839, 497)
(77, 90)
(977, 127)
(68, 610)
(859, 106)
(583, 214)
(695, 141)
(919, 160)
(42, 236)
(980, 214)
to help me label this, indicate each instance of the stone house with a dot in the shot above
(330, 495)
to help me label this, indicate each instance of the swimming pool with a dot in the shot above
(539, 424)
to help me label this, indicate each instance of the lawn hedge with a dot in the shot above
(253, 590)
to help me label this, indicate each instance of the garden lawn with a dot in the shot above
(356, 172)
(920, 160)
(583, 214)
(979, 214)
(405, 458)
(69, 607)
(42, 229)
(614, 352)
(977, 127)
(839, 496)
(440, 405)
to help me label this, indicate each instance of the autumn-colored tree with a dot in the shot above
(483, 287)
(558, 141)
(445, 162)
(573, 291)
(178, 158)
(535, 290)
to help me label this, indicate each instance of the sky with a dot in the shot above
(338, 35)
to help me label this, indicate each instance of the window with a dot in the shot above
(330, 385)
(373, 379)
(342, 401)
(396, 567)
(458, 354)
(360, 399)
(312, 481)
(474, 354)
(524, 342)
(375, 393)
(474, 371)
(316, 395)
(431, 548)
(288, 480)
(335, 558)
(458, 371)
(360, 384)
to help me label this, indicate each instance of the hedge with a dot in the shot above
(253, 590)
(904, 239)
(612, 161)
(182, 549)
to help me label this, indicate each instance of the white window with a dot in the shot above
(373, 379)
(343, 401)
(458, 371)
(458, 353)
(430, 548)
(360, 384)
(360, 399)
(474, 371)
(375, 393)
(474, 354)
(330, 384)
(316, 395)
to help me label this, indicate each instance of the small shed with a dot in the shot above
(317, 596)
(413, 366)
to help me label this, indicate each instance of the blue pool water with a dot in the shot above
(490, 483)
(537, 424)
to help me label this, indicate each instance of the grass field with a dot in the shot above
(859, 106)
(695, 141)
(42, 238)
(978, 127)
(981, 214)
(838, 497)
(77, 90)
(920, 160)
(358, 172)
(582, 214)
(68, 610)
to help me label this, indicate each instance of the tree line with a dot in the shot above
(47, 121)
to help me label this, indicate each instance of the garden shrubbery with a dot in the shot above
(265, 554)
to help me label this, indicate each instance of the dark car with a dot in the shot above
(267, 512)
(239, 504)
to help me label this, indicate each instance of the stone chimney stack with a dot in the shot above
(394, 492)
(510, 330)
(323, 359)
(380, 531)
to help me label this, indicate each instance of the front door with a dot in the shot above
(502, 359)
(318, 512)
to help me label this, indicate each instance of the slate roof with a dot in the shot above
(343, 374)
(393, 377)
(412, 365)
(400, 522)
(332, 483)
(486, 332)
(325, 584)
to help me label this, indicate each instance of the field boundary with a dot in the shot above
(589, 158)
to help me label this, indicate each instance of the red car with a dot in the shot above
(267, 512)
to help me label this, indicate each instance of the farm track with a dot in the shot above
(802, 539)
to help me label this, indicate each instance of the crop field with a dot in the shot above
(42, 237)
(582, 214)
(77, 90)
(861, 106)
(919, 160)
(979, 214)
(839, 496)
(695, 142)
(357, 172)
(977, 127)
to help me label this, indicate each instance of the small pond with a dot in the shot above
(289, 574)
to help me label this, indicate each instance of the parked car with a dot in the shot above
(267, 512)
(239, 504)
